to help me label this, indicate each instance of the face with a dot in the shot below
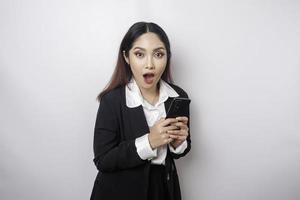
(147, 59)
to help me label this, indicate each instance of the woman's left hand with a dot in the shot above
(180, 135)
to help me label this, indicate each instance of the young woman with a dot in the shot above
(134, 144)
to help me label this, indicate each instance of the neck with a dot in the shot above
(151, 94)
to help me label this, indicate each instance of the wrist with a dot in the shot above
(149, 139)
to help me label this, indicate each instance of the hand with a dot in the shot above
(180, 135)
(158, 135)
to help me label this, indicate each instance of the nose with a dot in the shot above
(149, 64)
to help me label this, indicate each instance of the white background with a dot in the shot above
(238, 60)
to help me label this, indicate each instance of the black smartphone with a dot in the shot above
(179, 107)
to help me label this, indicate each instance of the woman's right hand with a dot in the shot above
(158, 135)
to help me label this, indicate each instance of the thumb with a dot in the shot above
(160, 120)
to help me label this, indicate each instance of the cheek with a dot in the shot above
(136, 69)
(161, 65)
(136, 64)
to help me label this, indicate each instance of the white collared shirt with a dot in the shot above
(152, 113)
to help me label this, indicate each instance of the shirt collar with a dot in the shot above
(134, 97)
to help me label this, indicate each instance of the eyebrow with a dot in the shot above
(153, 49)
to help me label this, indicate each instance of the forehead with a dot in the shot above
(148, 41)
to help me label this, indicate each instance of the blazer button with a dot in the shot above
(168, 176)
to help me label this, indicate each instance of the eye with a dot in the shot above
(138, 54)
(159, 54)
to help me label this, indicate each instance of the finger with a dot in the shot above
(178, 137)
(175, 132)
(174, 136)
(180, 124)
(170, 128)
(184, 132)
(169, 121)
(175, 124)
(184, 127)
(161, 119)
(183, 119)
(168, 139)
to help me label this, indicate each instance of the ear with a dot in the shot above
(125, 57)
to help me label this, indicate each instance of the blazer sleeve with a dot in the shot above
(188, 138)
(111, 154)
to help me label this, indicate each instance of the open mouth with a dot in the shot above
(148, 77)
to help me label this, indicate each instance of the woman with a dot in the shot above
(134, 145)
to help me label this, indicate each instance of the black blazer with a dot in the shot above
(122, 174)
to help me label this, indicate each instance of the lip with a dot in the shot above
(148, 73)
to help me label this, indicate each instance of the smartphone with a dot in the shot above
(179, 107)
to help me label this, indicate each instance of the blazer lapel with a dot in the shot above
(167, 103)
(138, 121)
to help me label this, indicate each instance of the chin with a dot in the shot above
(147, 86)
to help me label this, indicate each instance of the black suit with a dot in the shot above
(122, 174)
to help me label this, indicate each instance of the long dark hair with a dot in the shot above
(122, 73)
